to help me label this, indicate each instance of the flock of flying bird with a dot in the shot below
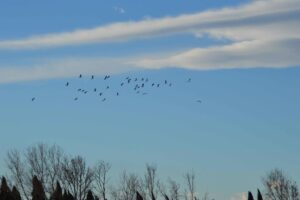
(138, 85)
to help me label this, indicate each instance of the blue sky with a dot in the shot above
(241, 56)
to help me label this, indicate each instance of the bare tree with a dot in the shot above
(279, 187)
(128, 186)
(171, 192)
(101, 178)
(78, 177)
(191, 188)
(151, 181)
(39, 160)
(174, 188)
(17, 170)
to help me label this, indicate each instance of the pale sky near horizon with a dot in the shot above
(242, 57)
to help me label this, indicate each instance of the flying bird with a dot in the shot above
(100, 94)
(122, 84)
(106, 77)
(104, 99)
(199, 101)
(80, 75)
(33, 99)
(117, 93)
(166, 81)
(157, 85)
(189, 80)
(153, 84)
(95, 89)
(92, 77)
(76, 98)
(67, 84)
(107, 87)
(78, 89)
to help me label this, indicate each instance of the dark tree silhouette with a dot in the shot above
(38, 192)
(15, 194)
(250, 196)
(57, 194)
(4, 190)
(259, 196)
(90, 195)
(138, 196)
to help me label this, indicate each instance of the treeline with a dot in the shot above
(44, 172)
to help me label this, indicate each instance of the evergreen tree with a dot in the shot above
(259, 196)
(5, 193)
(250, 196)
(38, 192)
(90, 195)
(138, 196)
(15, 194)
(57, 194)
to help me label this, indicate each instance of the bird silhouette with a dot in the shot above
(135, 79)
(122, 84)
(189, 80)
(104, 99)
(100, 94)
(107, 87)
(142, 85)
(128, 81)
(33, 99)
(95, 89)
(78, 89)
(166, 81)
(92, 77)
(117, 93)
(67, 84)
(80, 75)
(157, 85)
(106, 77)
(76, 98)
(199, 101)
(153, 84)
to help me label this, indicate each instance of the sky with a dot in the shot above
(241, 56)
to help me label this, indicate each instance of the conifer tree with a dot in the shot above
(38, 192)
(57, 194)
(90, 195)
(15, 194)
(5, 193)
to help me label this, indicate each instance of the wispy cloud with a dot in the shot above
(263, 33)
(256, 14)
(62, 68)
(119, 9)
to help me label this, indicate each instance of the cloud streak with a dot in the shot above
(263, 33)
(258, 12)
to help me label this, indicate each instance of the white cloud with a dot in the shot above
(119, 9)
(258, 13)
(62, 68)
(246, 54)
(263, 33)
